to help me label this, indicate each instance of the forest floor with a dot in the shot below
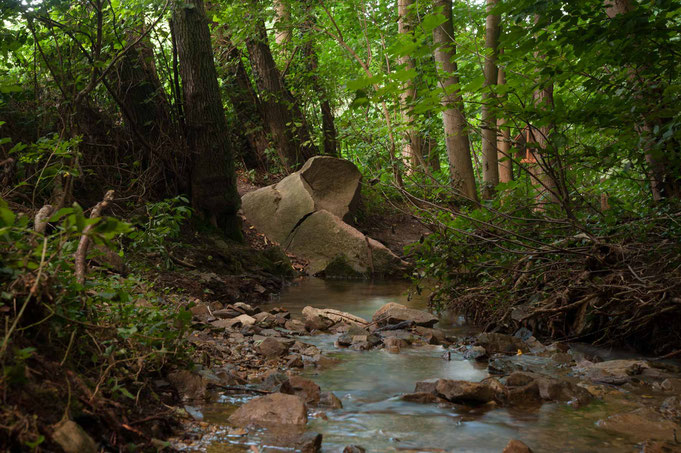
(232, 347)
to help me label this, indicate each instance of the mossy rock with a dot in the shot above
(341, 268)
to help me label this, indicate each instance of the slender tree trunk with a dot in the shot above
(412, 154)
(660, 184)
(283, 116)
(456, 136)
(247, 106)
(213, 180)
(490, 166)
(429, 147)
(330, 140)
(544, 169)
(282, 16)
(504, 141)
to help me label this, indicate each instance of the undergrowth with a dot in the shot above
(608, 276)
(85, 352)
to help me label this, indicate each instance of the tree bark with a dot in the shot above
(148, 114)
(661, 184)
(282, 16)
(283, 116)
(504, 141)
(490, 165)
(453, 118)
(412, 154)
(247, 106)
(213, 181)
(543, 171)
(330, 140)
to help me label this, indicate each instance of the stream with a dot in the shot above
(369, 384)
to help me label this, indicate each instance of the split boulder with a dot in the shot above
(308, 213)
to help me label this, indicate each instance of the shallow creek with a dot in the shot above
(369, 384)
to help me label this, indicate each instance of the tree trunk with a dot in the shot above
(213, 181)
(661, 184)
(147, 115)
(456, 136)
(282, 16)
(543, 171)
(247, 106)
(412, 154)
(328, 122)
(430, 152)
(283, 116)
(490, 165)
(504, 141)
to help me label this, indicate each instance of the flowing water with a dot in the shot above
(369, 384)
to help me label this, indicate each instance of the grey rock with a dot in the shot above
(72, 438)
(475, 353)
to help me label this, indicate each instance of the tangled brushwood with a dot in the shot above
(615, 281)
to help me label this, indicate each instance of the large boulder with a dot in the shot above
(274, 409)
(527, 388)
(304, 388)
(334, 185)
(307, 211)
(331, 245)
(272, 348)
(323, 183)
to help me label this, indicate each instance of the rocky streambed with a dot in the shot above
(357, 366)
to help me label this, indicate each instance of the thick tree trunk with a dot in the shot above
(504, 141)
(412, 154)
(456, 136)
(213, 180)
(139, 87)
(490, 166)
(147, 115)
(283, 116)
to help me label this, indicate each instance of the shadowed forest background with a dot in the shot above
(535, 144)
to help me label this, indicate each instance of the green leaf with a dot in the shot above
(7, 217)
(432, 21)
